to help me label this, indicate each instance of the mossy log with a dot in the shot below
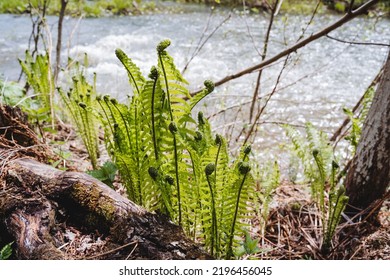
(40, 204)
(33, 195)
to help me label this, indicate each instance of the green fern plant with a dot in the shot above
(79, 102)
(358, 118)
(270, 180)
(40, 78)
(312, 150)
(337, 202)
(321, 169)
(172, 163)
(12, 94)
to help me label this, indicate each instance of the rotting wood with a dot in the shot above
(33, 192)
(34, 197)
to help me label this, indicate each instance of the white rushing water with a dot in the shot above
(318, 82)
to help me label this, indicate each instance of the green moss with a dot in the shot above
(94, 201)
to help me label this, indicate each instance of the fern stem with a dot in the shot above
(320, 192)
(230, 245)
(113, 117)
(166, 86)
(177, 178)
(331, 225)
(131, 190)
(125, 123)
(219, 142)
(107, 118)
(137, 148)
(214, 227)
(88, 136)
(67, 102)
(153, 121)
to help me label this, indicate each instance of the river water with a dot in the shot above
(318, 81)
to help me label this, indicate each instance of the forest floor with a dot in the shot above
(293, 229)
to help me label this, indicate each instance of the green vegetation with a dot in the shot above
(12, 93)
(40, 78)
(321, 171)
(125, 7)
(165, 152)
(248, 247)
(6, 252)
(172, 163)
(79, 7)
(357, 120)
(269, 180)
(105, 173)
(78, 101)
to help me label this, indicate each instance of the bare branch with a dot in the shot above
(347, 120)
(201, 44)
(351, 6)
(346, 18)
(260, 112)
(64, 3)
(263, 56)
(358, 43)
(310, 21)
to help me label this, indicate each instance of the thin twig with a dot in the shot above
(263, 56)
(357, 43)
(57, 66)
(347, 120)
(346, 18)
(260, 112)
(310, 20)
(132, 251)
(201, 44)
(113, 250)
(249, 31)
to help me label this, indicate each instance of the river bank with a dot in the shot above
(319, 81)
(310, 85)
(121, 7)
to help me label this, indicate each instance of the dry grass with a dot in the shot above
(294, 231)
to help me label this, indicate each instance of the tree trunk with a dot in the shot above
(369, 174)
(61, 16)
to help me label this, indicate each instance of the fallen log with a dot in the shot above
(40, 204)
(33, 194)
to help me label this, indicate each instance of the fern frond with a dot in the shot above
(270, 181)
(80, 103)
(337, 203)
(39, 77)
(136, 78)
(242, 188)
(209, 88)
(173, 83)
(167, 157)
